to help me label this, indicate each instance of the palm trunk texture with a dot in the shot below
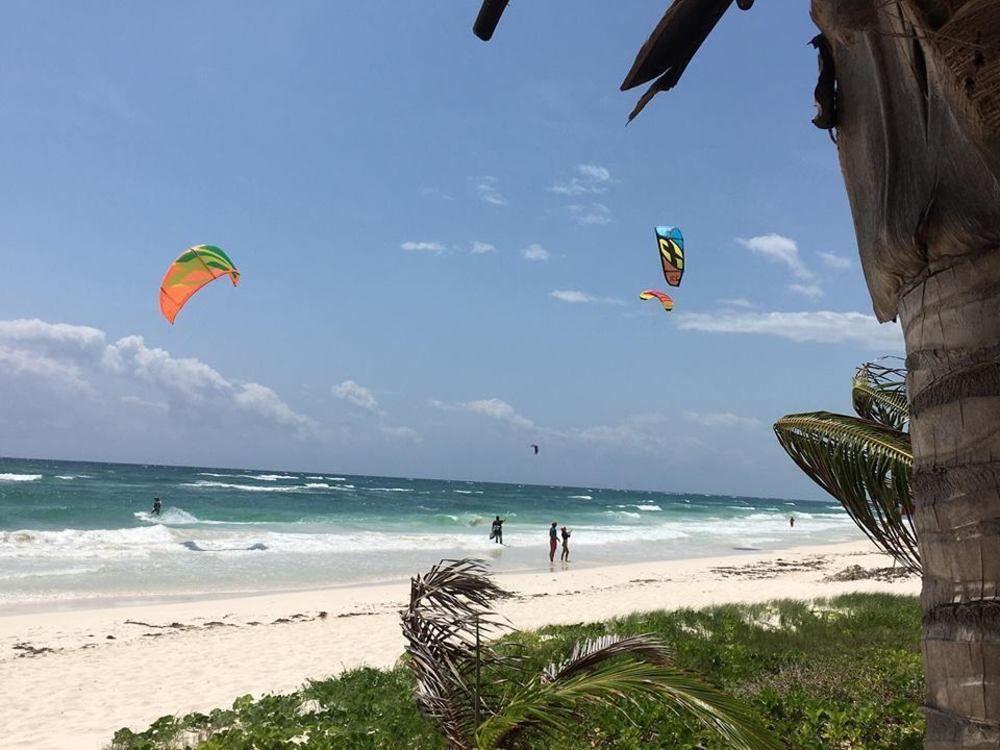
(918, 132)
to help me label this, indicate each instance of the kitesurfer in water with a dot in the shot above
(157, 506)
(496, 532)
(553, 540)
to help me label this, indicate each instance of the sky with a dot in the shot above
(441, 243)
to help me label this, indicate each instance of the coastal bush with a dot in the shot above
(839, 673)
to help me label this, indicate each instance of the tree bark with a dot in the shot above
(918, 132)
(953, 354)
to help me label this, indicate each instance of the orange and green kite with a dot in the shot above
(193, 269)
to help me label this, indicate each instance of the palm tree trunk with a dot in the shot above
(952, 326)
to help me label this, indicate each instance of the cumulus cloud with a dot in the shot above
(779, 249)
(481, 248)
(535, 252)
(721, 419)
(591, 213)
(588, 178)
(823, 326)
(67, 358)
(494, 408)
(399, 432)
(832, 260)
(487, 187)
(357, 394)
(434, 248)
(577, 297)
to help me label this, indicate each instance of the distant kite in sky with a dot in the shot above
(668, 304)
(193, 269)
(488, 18)
(534, 448)
(671, 245)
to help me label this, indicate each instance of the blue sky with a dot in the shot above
(441, 243)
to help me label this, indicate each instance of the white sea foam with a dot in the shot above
(20, 477)
(269, 477)
(391, 489)
(468, 492)
(648, 507)
(581, 497)
(317, 486)
(203, 484)
(73, 476)
(335, 479)
(622, 514)
(169, 517)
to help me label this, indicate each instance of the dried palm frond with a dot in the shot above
(615, 672)
(864, 465)
(878, 392)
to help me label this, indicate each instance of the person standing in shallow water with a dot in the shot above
(564, 556)
(497, 530)
(553, 540)
(791, 521)
(157, 506)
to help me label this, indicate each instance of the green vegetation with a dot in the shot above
(842, 673)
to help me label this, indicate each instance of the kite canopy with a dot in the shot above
(668, 304)
(195, 267)
(671, 245)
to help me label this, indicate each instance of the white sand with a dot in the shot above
(90, 685)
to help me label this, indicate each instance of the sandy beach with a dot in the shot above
(70, 678)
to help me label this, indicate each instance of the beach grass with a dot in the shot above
(842, 672)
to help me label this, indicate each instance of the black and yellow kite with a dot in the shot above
(671, 245)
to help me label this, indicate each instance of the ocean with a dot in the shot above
(74, 533)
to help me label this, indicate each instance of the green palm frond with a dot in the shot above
(555, 706)
(864, 465)
(878, 392)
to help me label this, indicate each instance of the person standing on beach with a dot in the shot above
(156, 506)
(565, 539)
(791, 521)
(497, 530)
(553, 540)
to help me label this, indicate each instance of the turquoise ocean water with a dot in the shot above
(73, 532)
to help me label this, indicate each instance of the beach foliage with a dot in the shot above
(450, 609)
(840, 673)
(865, 462)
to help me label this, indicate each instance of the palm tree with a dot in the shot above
(865, 462)
(445, 626)
(911, 90)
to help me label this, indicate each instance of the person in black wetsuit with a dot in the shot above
(497, 531)
(157, 506)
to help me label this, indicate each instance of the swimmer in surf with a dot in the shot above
(156, 506)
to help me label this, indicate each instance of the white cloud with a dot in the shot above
(535, 252)
(821, 326)
(807, 290)
(487, 188)
(589, 178)
(494, 408)
(832, 260)
(357, 394)
(437, 192)
(67, 358)
(591, 213)
(481, 248)
(261, 400)
(435, 248)
(578, 297)
(721, 419)
(775, 247)
(737, 302)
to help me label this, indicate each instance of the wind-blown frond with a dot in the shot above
(557, 706)
(878, 392)
(864, 465)
(448, 615)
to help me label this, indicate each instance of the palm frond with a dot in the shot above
(878, 392)
(448, 616)
(587, 654)
(555, 707)
(866, 466)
